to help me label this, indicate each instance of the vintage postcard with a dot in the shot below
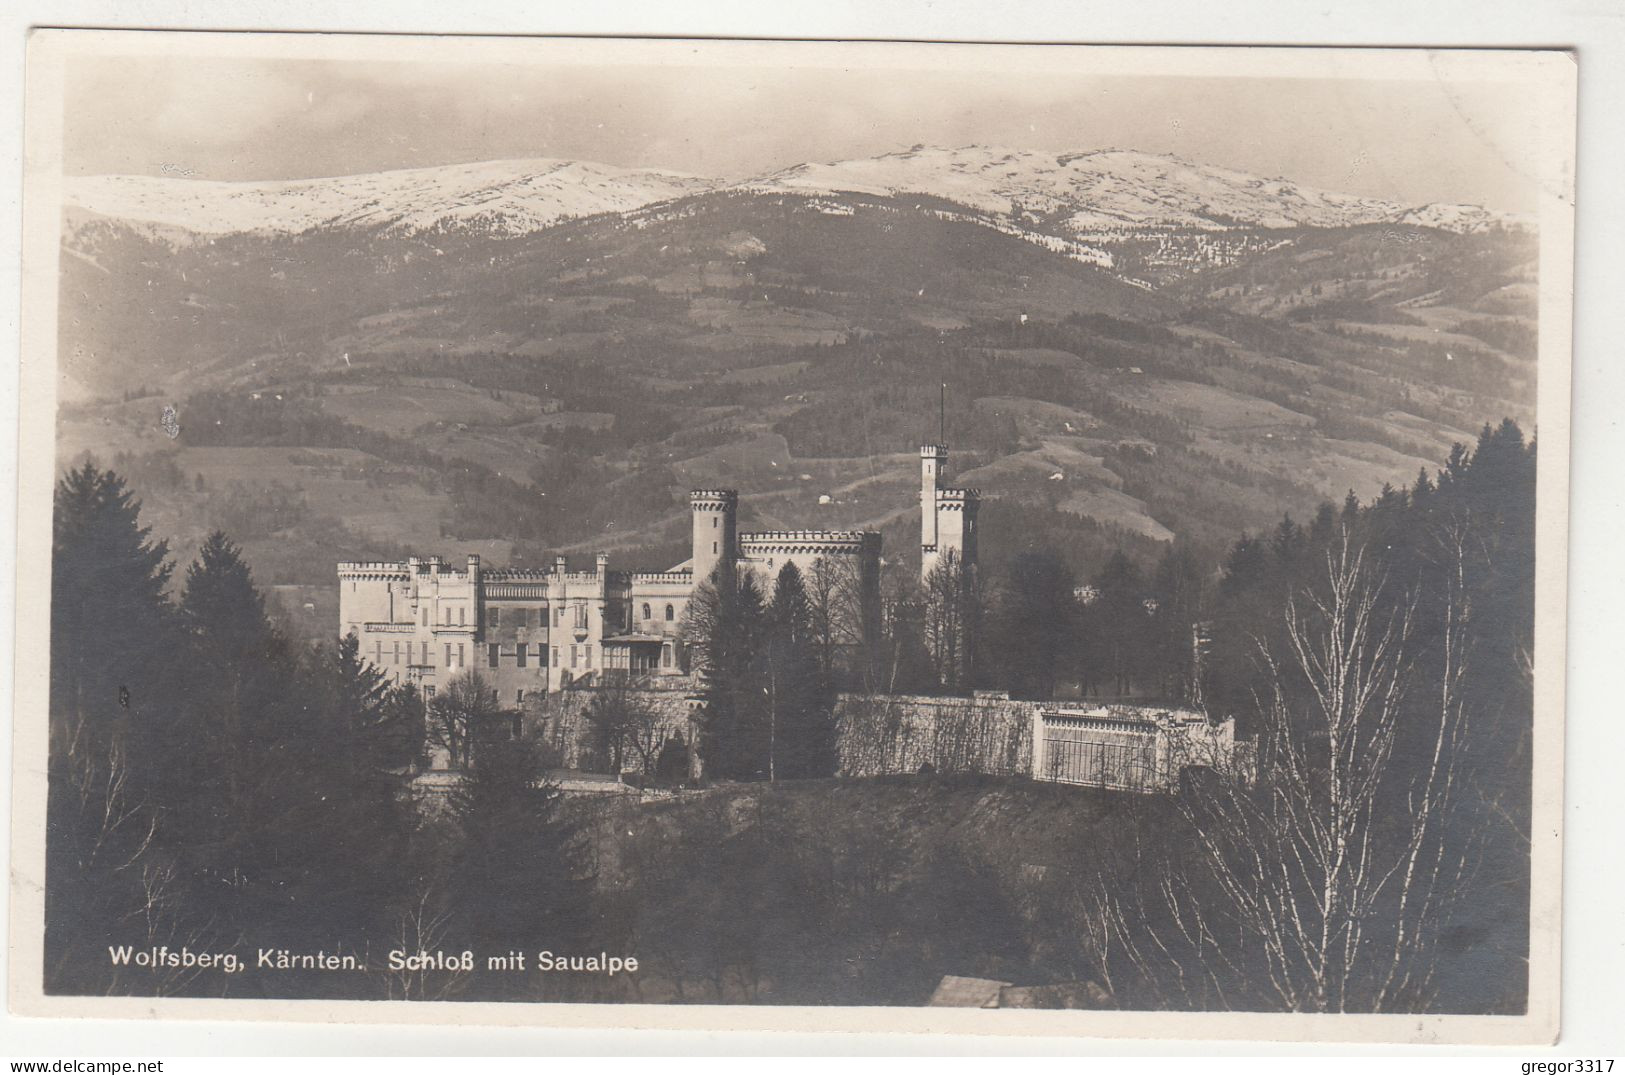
(1000, 539)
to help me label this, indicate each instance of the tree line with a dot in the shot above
(214, 785)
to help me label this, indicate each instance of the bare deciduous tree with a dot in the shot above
(461, 713)
(1334, 871)
(953, 607)
(625, 728)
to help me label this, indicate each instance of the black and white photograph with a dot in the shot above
(534, 527)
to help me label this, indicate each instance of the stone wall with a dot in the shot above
(877, 734)
(905, 733)
(889, 734)
(559, 719)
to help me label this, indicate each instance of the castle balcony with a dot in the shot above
(389, 628)
(529, 590)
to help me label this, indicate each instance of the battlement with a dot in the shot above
(347, 568)
(681, 577)
(808, 537)
(958, 494)
(719, 496)
(933, 451)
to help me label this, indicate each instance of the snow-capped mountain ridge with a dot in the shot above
(1074, 195)
(508, 196)
(1101, 191)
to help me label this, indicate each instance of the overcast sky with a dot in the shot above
(1409, 141)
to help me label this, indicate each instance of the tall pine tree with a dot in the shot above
(727, 623)
(797, 697)
(112, 627)
(113, 645)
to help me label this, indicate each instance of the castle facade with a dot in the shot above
(424, 621)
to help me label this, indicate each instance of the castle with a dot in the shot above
(426, 620)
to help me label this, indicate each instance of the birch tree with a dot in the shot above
(1335, 871)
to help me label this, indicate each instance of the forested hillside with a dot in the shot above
(455, 389)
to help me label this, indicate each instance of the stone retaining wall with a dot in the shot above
(881, 734)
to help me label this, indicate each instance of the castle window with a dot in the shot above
(555, 656)
(519, 654)
(665, 656)
(715, 522)
(428, 692)
(460, 612)
(397, 658)
(647, 613)
(575, 656)
(561, 615)
(459, 655)
(378, 651)
(671, 614)
(587, 660)
(713, 546)
(519, 696)
(492, 652)
(448, 615)
(448, 654)
(425, 615)
(496, 617)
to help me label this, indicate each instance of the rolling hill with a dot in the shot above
(1135, 348)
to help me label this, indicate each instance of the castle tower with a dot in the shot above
(933, 460)
(716, 531)
(947, 516)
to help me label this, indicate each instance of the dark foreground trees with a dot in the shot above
(769, 708)
(521, 875)
(1386, 813)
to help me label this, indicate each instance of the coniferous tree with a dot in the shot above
(1118, 627)
(112, 627)
(221, 607)
(1179, 589)
(225, 782)
(384, 724)
(800, 709)
(726, 624)
(358, 738)
(522, 877)
(1035, 623)
(113, 641)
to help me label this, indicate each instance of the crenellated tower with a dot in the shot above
(716, 532)
(947, 515)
